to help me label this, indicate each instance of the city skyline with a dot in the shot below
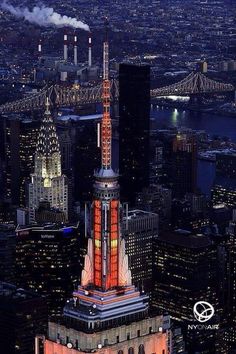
(117, 177)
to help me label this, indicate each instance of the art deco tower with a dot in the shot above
(107, 314)
(106, 265)
(47, 181)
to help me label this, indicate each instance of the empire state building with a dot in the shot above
(47, 182)
(107, 314)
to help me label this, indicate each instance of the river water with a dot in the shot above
(212, 124)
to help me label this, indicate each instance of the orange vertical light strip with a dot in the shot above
(114, 242)
(106, 131)
(97, 227)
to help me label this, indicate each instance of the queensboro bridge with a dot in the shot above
(107, 314)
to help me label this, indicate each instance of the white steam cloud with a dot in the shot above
(44, 16)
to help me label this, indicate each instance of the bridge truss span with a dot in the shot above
(32, 102)
(195, 83)
(60, 96)
(64, 96)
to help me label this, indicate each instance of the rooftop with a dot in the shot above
(183, 238)
(136, 214)
(12, 292)
(47, 227)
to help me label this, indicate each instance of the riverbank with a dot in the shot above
(195, 108)
(213, 124)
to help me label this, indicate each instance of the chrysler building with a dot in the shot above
(47, 182)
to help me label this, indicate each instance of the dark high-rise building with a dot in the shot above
(7, 253)
(156, 199)
(65, 134)
(229, 336)
(20, 144)
(184, 165)
(47, 262)
(80, 153)
(156, 159)
(45, 214)
(224, 189)
(163, 139)
(66, 139)
(23, 314)
(220, 216)
(134, 123)
(224, 192)
(86, 157)
(226, 165)
(185, 272)
(231, 246)
(176, 160)
(7, 213)
(2, 158)
(140, 228)
(181, 214)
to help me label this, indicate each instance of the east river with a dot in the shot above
(223, 126)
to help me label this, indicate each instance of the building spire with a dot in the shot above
(48, 143)
(47, 104)
(106, 132)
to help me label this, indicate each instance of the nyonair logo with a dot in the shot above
(203, 311)
(199, 326)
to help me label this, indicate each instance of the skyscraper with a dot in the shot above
(7, 252)
(156, 199)
(185, 272)
(184, 165)
(23, 314)
(107, 314)
(229, 336)
(20, 142)
(224, 189)
(47, 262)
(47, 181)
(86, 157)
(134, 125)
(140, 228)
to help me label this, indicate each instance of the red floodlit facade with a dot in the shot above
(97, 227)
(152, 344)
(114, 256)
(106, 208)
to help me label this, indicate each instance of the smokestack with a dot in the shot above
(64, 73)
(65, 48)
(90, 50)
(40, 48)
(63, 76)
(75, 51)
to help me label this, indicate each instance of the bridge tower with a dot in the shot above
(196, 98)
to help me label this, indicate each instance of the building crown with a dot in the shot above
(48, 143)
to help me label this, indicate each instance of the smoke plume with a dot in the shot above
(44, 16)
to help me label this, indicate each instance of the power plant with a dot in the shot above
(67, 68)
